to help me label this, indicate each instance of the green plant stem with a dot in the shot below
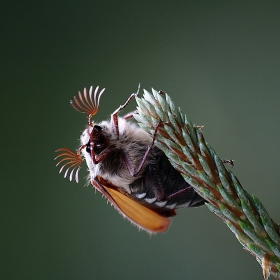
(202, 168)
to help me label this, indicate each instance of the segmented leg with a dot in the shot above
(134, 172)
(130, 114)
(114, 116)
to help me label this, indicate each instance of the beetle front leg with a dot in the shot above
(96, 159)
(114, 116)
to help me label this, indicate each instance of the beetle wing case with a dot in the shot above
(131, 209)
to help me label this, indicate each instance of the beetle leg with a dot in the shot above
(98, 158)
(134, 172)
(187, 189)
(114, 116)
(130, 114)
(156, 183)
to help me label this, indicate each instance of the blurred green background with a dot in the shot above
(220, 62)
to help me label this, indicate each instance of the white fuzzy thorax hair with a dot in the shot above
(132, 139)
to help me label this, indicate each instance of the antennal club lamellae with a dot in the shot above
(71, 160)
(86, 103)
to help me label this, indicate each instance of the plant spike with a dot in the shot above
(201, 167)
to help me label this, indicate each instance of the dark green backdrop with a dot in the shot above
(220, 62)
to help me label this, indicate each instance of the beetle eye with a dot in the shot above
(88, 147)
(97, 127)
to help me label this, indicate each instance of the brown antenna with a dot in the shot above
(86, 103)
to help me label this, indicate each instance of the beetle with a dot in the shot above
(126, 167)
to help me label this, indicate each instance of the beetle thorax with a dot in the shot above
(132, 142)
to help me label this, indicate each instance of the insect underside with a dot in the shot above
(127, 168)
